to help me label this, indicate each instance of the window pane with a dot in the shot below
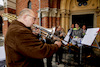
(29, 5)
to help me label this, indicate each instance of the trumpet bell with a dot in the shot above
(53, 31)
(47, 31)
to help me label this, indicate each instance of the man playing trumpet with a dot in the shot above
(23, 48)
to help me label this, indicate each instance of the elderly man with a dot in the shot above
(23, 48)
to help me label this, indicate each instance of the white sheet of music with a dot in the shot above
(91, 33)
(66, 39)
(65, 43)
(2, 53)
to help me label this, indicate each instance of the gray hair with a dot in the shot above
(25, 11)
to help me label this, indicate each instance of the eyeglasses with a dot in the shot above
(32, 17)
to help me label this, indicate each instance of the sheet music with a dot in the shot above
(66, 39)
(91, 33)
(2, 53)
(88, 39)
(65, 43)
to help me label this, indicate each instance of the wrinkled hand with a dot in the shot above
(61, 34)
(36, 31)
(58, 43)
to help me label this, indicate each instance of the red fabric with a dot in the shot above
(98, 30)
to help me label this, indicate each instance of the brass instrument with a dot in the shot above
(48, 32)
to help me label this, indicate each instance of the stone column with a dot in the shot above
(50, 22)
(50, 18)
(53, 21)
(53, 14)
(5, 26)
(66, 23)
(64, 20)
(63, 12)
(58, 21)
(58, 18)
(5, 20)
(45, 22)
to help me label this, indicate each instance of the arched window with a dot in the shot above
(29, 4)
(82, 2)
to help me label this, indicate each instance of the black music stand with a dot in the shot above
(89, 38)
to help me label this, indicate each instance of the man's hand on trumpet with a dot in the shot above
(35, 31)
(58, 43)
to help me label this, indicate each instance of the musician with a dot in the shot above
(63, 34)
(60, 50)
(71, 31)
(84, 30)
(49, 59)
(77, 38)
(23, 48)
(77, 35)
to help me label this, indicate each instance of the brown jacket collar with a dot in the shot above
(16, 22)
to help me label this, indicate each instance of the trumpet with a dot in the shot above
(48, 32)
